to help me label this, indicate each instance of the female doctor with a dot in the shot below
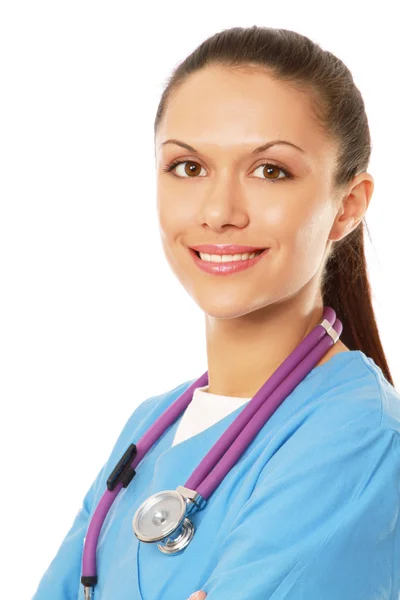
(262, 144)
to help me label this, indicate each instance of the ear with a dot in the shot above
(353, 206)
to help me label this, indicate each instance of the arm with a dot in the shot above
(322, 523)
(61, 581)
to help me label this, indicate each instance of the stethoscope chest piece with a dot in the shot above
(162, 518)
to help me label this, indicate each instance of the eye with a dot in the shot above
(272, 169)
(191, 170)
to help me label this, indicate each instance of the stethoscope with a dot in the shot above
(163, 517)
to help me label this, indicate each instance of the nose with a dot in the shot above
(223, 204)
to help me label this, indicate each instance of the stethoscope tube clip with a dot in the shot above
(123, 471)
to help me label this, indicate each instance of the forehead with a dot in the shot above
(227, 108)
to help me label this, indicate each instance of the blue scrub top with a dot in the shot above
(309, 512)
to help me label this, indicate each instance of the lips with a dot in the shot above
(226, 268)
(226, 249)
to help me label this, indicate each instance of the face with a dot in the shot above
(280, 198)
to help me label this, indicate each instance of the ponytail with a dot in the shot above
(346, 288)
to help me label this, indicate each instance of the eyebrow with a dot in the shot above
(255, 151)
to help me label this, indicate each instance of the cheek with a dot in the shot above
(174, 223)
(300, 236)
(300, 225)
(175, 214)
(312, 231)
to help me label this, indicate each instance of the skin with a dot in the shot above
(255, 318)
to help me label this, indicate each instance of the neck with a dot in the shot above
(243, 352)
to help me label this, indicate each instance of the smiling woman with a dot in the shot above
(286, 452)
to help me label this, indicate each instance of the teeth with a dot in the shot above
(218, 258)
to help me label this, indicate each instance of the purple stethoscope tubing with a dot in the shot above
(230, 446)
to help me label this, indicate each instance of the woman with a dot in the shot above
(310, 510)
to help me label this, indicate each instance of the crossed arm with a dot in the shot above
(327, 526)
(322, 523)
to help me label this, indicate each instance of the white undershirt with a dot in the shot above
(204, 410)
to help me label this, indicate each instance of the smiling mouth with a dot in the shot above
(229, 257)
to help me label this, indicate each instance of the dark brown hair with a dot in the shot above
(339, 111)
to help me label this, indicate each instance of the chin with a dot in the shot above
(229, 309)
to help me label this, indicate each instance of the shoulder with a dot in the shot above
(340, 430)
(146, 413)
(356, 390)
(142, 417)
(344, 412)
(389, 397)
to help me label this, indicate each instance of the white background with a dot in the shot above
(92, 319)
